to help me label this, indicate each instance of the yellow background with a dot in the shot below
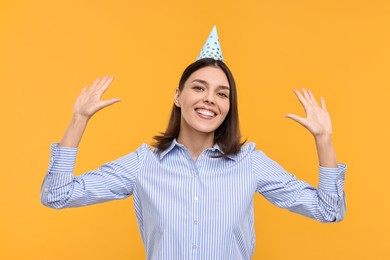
(50, 49)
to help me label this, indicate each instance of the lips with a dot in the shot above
(205, 112)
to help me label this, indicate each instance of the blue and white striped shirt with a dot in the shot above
(190, 209)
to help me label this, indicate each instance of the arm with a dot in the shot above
(327, 202)
(60, 186)
(111, 181)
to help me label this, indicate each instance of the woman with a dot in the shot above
(193, 193)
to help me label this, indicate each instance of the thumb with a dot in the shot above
(108, 102)
(296, 118)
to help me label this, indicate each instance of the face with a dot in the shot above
(204, 100)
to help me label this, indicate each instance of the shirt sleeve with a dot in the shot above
(325, 203)
(112, 180)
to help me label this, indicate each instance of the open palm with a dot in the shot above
(317, 119)
(89, 101)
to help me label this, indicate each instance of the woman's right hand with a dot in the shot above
(89, 101)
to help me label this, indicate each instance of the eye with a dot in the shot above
(198, 88)
(222, 94)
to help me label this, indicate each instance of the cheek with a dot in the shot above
(226, 109)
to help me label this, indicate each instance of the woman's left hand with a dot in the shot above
(317, 119)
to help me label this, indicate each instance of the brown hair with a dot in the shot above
(227, 135)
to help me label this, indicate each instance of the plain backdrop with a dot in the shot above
(49, 50)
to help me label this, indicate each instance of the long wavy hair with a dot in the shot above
(227, 135)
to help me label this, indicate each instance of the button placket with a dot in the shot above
(195, 211)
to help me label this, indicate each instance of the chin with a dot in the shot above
(200, 126)
(206, 129)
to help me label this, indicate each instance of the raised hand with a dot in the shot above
(89, 101)
(317, 119)
(318, 122)
(86, 105)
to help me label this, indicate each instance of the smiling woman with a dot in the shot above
(193, 193)
(204, 108)
(205, 105)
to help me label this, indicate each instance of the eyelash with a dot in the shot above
(223, 95)
(199, 88)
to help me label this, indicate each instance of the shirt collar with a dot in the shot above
(174, 144)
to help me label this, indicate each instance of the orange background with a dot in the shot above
(50, 49)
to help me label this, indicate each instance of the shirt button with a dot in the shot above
(195, 222)
(194, 247)
(196, 198)
(52, 159)
(46, 189)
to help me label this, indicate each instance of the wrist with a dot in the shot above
(326, 152)
(74, 131)
(80, 119)
(325, 139)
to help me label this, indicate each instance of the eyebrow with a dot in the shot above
(205, 83)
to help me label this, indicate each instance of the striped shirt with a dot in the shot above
(190, 209)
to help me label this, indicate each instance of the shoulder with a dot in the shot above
(139, 155)
(246, 151)
(250, 151)
(145, 150)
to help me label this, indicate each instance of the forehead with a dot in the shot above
(211, 75)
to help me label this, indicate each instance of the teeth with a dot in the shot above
(205, 112)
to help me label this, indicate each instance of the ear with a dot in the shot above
(176, 98)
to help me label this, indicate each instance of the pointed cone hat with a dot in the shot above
(212, 47)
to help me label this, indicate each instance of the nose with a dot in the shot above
(208, 98)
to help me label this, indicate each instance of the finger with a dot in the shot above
(323, 104)
(102, 82)
(84, 89)
(296, 118)
(307, 96)
(106, 84)
(108, 102)
(300, 98)
(94, 84)
(312, 98)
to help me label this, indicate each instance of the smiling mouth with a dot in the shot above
(205, 112)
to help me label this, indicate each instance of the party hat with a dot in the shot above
(212, 48)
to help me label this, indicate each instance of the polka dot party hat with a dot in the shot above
(212, 48)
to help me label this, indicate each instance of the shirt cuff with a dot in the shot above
(332, 179)
(62, 159)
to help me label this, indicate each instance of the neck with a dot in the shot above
(196, 142)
